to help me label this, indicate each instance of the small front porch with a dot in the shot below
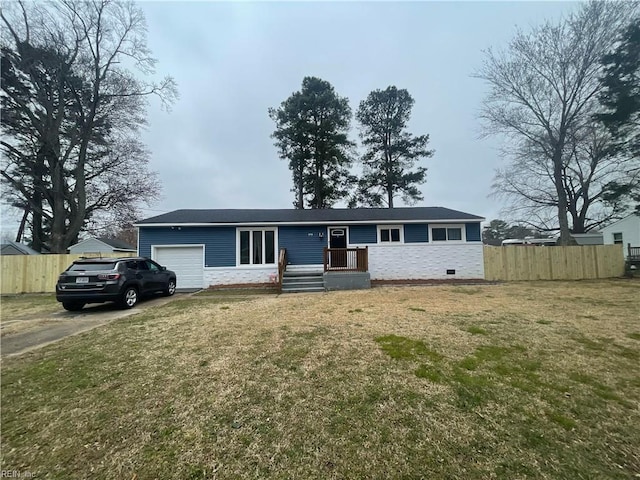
(346, 268)
(342, 269)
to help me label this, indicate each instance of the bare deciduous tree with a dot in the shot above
(542, 93)
(590, 171)
(74, 104)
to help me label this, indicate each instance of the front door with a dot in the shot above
(338, 239)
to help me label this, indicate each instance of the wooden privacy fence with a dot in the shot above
(520, 262)
(37, 273)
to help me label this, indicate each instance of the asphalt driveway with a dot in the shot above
(24, 333)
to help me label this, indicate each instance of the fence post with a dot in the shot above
(366, 258)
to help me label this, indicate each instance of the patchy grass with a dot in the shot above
(236, 292)
(406, 348)
(475, 330)
(467, 290)
(266, 386)
(21, 313)
(27, 305)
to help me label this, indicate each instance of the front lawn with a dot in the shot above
(524, 380)
(27, 305)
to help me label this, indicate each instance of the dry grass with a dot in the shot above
(528, 380)
(21, 306)
(22, 326)
(21, 313)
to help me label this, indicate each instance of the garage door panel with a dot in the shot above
(186, 261)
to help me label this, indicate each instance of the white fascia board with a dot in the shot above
(617, 222)
(329, 222)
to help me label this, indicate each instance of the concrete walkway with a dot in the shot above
(40, 330)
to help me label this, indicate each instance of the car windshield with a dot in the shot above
(91, 267)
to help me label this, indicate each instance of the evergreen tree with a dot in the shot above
(312, 134)
(621, 99)
(391, 151)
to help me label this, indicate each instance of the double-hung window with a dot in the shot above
(617, 238)
(390, 234)
(257, 247)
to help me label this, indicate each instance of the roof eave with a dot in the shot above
(618, 221)
(90, 238)
(336, 222)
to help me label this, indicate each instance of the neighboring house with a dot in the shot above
(15, 248)
(625, 232)
(102, 245)
(590, 238)
(218, 247)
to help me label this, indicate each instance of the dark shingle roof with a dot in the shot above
(334, 215)
(118, 244)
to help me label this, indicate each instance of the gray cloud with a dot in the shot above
(233, 61)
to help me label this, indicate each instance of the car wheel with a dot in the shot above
(171, 288)
(73, 306)
(129, 297)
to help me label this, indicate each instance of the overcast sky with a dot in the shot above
(232, 61)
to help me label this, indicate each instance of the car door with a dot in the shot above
(159, 277)
(145, 276)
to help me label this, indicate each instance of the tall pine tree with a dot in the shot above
(621, 100)
(391, 151)
(312, 134)
(621, 93)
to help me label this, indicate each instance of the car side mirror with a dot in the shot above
(163, 268)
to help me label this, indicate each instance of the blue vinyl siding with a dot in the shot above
(360, 234)
(219, 242)
(473, 232)
(416, 233)
(304, 244)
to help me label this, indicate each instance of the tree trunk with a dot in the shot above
(58, 211)
(35, 203)
(23, 222)
(389, 185)
(301, 193)
(300, 188)
(563, 220)
(37, 235)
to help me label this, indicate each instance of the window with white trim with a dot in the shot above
(390, 234)
(447, 233)
(257, 247)
(617, 238)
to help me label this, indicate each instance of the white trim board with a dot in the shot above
(283, 224)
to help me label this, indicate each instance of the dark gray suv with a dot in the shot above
(120, 280)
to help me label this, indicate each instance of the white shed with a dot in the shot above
(625, 231)
(102, 245)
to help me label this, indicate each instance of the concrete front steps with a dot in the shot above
(302, 281)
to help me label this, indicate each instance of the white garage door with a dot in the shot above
(186, 261)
